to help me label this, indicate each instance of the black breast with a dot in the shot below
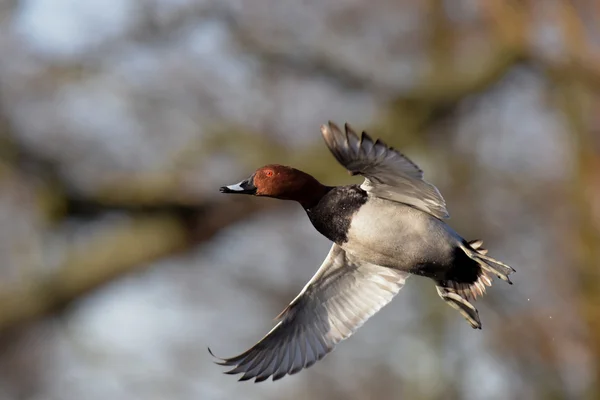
(333, 213)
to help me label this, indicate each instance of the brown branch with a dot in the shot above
(116, 250)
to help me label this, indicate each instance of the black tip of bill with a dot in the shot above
(244, 187)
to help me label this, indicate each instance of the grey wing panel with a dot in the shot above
(389, 174)
(342, 295)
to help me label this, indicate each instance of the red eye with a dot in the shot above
(269, 173)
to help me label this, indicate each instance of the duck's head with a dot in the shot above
(280, 182)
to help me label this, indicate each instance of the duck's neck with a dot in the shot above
(310, 198)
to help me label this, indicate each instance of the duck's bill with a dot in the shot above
(244, 187)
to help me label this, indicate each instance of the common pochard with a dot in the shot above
(389, 227)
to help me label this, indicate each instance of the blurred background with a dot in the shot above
(120, 261)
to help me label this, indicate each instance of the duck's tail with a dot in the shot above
(488, 264)
(469, 279)
(457, 292)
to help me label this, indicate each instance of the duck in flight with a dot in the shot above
(389, 227)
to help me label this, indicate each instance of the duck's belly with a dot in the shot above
(398, 236)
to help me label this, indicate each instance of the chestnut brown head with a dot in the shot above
(280, 182)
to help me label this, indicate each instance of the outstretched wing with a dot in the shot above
(339, 298)
(389, 174)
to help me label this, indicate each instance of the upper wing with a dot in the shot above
(339, 298)
(389, 174)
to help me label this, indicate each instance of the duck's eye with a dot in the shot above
(269, 173)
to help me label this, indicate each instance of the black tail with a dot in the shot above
(469, 279)
(488, 264)
(472, 288)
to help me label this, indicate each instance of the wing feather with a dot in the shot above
(338, 299)
(388, 173)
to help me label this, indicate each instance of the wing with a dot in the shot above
(389, 174)
(339, 298)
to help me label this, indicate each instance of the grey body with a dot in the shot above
(399, 236)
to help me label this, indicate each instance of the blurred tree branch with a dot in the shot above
(116, 249)
(108, 255)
